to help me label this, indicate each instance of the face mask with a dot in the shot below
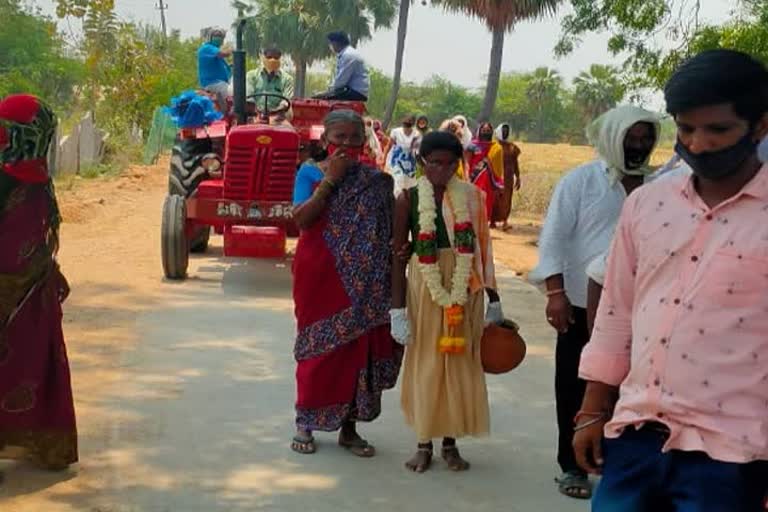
(353, 154)
(635, 158)
(217, 42)
(271, 64)
(718, 165)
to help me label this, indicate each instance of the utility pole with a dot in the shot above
(162, 6)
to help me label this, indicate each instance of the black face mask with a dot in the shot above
(718, 165)
(635, 158)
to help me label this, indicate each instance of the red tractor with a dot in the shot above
(236, 177)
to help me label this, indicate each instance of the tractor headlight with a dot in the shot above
(212, 165)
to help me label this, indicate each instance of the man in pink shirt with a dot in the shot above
(675, 415)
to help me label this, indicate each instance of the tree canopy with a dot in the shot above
(636, 28)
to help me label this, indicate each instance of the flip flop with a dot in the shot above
(359, 447)
(574, 485)
(303, 445)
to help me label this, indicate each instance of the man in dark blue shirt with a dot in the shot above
(213, 71)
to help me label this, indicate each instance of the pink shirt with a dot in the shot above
(683, 320)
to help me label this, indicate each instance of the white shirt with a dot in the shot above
(579, 226)
(596, 269)
(399, 137)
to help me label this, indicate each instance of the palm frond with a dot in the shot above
(502, 14)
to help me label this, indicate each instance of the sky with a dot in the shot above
(453, 46)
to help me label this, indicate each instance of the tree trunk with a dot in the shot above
(402, 31)
(301, 78)
(494, 75)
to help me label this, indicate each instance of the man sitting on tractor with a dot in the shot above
(270, 79)
(212, 68)
(351, 82)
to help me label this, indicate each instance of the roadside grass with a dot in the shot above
(542, 166)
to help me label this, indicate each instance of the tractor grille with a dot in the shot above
(263, 174)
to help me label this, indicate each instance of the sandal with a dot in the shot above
(305, 445)
(358, 446)
(422, 461)
(574, 485)
(452, 457)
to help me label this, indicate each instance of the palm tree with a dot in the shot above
(402, 30)
(358, 18)
(543, 88)
(299, 27)
(297, 30)
(598, 90)
(500, 16)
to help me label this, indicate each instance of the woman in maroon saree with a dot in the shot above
(345, 354)
(36, 408)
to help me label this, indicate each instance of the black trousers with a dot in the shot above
(345, 94)
(569, 388)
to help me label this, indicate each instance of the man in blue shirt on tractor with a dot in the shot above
(212, 68)
(351, 82)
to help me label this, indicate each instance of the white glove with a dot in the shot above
(494, 314)
(400, 328)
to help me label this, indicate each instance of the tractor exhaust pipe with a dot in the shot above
(238, 74)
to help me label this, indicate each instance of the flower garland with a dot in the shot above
(452, 301)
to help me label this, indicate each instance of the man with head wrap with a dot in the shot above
(579, 226)
(675, 414)
(213, 71)
(36, 409)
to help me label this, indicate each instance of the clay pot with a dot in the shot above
(502, 348)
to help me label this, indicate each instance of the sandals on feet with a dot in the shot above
(574, 485)
(305, 445)
(359, 447)
(452, 457)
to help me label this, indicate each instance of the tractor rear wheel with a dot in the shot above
(200, 242)
(175, 246)
(186, 170)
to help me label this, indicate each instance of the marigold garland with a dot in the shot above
(452, 302)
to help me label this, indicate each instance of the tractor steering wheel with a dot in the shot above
(266, 112)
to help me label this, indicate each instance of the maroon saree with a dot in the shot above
(345, 355)
(36, 408)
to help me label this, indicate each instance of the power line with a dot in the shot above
(162, 6)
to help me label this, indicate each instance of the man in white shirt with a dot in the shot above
(579, 226)
(401, 158)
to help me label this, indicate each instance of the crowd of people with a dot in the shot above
(655, 284)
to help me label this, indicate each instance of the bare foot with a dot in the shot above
(452, 457)
(422, 461)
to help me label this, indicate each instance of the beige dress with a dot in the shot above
(445, 395)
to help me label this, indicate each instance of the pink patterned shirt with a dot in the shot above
(683, 320)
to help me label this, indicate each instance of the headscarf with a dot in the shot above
(608, 132)
(27, 127)
(466, 134)
(499, 133)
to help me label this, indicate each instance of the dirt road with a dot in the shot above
(184, 391)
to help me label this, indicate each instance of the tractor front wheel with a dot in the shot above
(175, 246)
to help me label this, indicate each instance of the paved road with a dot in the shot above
(199, 414)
